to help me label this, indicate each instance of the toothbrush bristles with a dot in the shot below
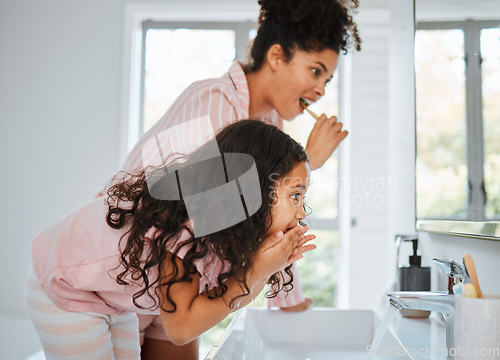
(305, 106)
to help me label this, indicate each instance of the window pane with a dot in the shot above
(318, 269)
(322, 195)
(175, 58)
(490, 54)
(441, 166)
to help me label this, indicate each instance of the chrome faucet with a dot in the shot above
(456, 272)
(440, 301)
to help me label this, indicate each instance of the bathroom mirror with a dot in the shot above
(457, 77)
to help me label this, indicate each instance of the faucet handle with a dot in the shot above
(450, 267)
(456, 272)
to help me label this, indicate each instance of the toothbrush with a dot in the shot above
(470, 270)
(469, 291)
(305, 106)
(458, 289)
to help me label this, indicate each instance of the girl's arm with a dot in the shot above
(196, 313)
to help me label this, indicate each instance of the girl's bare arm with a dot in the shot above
(196, 313)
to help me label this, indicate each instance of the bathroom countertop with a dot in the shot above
(423, 338)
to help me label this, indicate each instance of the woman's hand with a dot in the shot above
(303, 306)
(325, 136)
(279, 250)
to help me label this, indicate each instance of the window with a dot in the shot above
(490, 76)
(176, 54)
(457, 106)
(319, 269)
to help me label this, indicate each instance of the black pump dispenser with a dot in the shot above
(414, 277)
(415, 260)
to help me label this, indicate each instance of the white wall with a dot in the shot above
(377, 166)
(59, 108)
(60, 79)
(364, 182)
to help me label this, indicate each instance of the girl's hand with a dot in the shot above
(325, 136)
(279, 250)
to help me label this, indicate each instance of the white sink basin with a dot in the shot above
(316, 334)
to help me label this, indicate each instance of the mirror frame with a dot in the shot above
(484, 230)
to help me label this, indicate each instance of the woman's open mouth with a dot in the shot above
(304, 103)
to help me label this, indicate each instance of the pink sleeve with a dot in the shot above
(292, 298)
(206, 98)
(181, 124)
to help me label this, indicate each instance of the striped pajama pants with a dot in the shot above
(69, 335)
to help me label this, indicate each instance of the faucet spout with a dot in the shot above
(439, 301)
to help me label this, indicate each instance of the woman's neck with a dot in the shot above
(258, 88)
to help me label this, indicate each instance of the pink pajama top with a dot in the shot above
(77, 260)
(223, 101)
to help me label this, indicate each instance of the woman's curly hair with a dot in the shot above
(132, 203)
(308, 25)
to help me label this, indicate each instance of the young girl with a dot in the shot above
(130, 252)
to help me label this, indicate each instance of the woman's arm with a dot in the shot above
(196, 313)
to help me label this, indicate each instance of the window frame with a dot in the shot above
(135, 15)
(241, 30)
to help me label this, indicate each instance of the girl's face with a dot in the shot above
(303, 76)
(288, 208)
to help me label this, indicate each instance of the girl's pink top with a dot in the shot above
(76, 260)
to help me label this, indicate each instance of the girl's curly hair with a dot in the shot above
(308, 25)
(132, 203)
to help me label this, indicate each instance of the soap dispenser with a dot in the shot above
(413, 277)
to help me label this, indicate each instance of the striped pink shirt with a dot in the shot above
(222, 101)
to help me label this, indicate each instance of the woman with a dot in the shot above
(293, 57)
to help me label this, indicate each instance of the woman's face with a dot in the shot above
(288, 207)
(303, 76)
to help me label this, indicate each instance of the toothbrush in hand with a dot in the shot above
(305, 106)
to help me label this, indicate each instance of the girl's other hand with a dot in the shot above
(325, 137)
(279, 250)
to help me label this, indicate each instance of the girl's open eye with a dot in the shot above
(316, 72)
(295, 197)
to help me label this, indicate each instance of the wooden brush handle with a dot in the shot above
(471, 270)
